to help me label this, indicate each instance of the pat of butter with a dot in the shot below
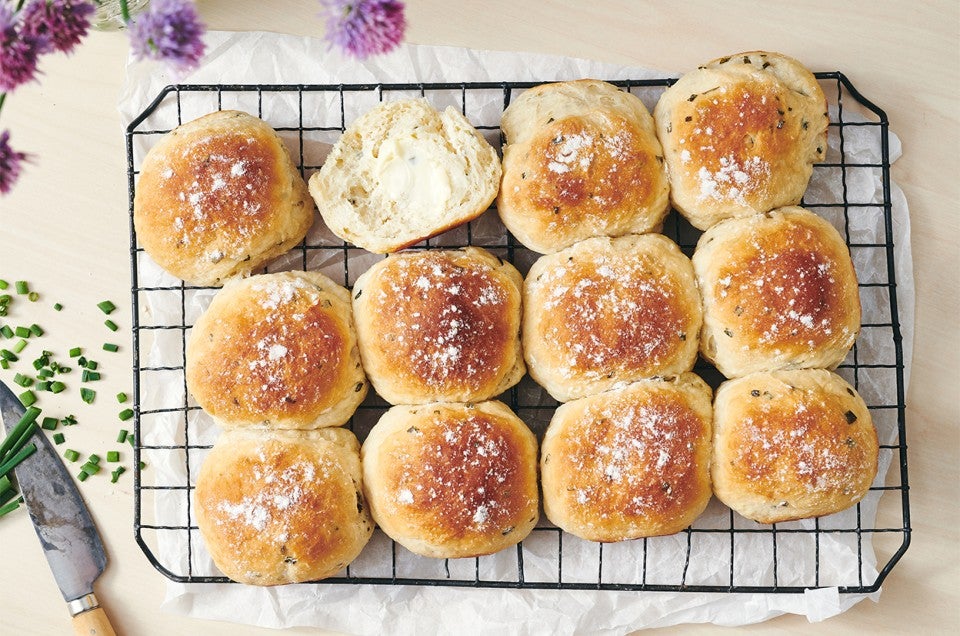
(409, 172)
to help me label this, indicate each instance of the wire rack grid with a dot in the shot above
(720, 552)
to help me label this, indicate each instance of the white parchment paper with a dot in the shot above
(248, 58)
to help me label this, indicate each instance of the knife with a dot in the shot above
(70, 541)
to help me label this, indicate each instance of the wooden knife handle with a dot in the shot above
(92, 620)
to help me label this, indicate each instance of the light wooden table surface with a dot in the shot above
(65, 229)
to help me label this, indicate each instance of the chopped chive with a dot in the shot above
(82, 361)
(58, 438)
(57, 307)
(88, 395)
(44, 374)
(8, 355)
(121, 397)
(71, 454)
(93, 459)
(82, 475)
(20, 346)
(49, 423)
(4, 284)
(33, 296)
(143, 465)
(106, 307)
(69, 420)
(57, 386)
(92, 365)
(36, 330)
(76, 351)
(115, 475)
(6, 331)
(43, 385)
(109, 346)
(125, 414)
(10, 507)
(122, 436)
(22, 287)
(112, 326)
(23, 380)
(130, 439)
(6, 493)
(4, 363)
(90, 468)
(28, 398)
(90, 376)
(113, 456)
(22, 332)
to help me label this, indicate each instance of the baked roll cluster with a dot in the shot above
(609, 321)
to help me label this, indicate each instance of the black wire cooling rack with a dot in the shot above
(722, 552)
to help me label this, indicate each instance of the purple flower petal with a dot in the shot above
(362, 28)
(59, 25)
(18, 52)
(169, 31)
(10, 163)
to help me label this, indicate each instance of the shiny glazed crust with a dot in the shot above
(440, 326)
(791, 445)
(779, 292)
(607, 311)
(277, 350)
(740, 136)
(278, 507)
(629, 463)
(378, 204)
(452, 480)
(581, 159)
(218, 197)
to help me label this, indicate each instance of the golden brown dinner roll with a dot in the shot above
(278, 507)
(404, 172)
(440, 326)
(779, 291)
(219, 197)
(277, 350)
(740, 135)
(452, 480)
(791, 444)
(581, 159)
(607, 311)
(628, 463)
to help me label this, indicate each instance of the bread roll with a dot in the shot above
(278, 507)
(607, 311)
(740, 136)
(277, 350)
(791, 445)
(628, 463)
(581, 159)
(779, 292)
(218, 197)
(440, 326)
(452, 480)
(404, 172)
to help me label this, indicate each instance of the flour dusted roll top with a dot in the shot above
(607, 311)
(278, 507)
(581, 159)
(404, 172)
(218, 197)
(740, 135)
(452, 480)
(779, 292)
(629, 463)
(440, 326)
(791, 445)
(277, 350)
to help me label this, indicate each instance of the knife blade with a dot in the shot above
(69, 538)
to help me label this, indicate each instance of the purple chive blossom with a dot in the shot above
(59, 24)
(169, 31)
(18, 52)
(9, 163)
(363, 28)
